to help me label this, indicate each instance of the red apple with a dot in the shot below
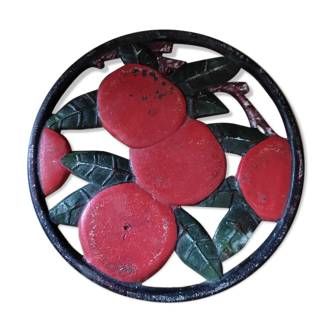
(264, 176)
(127, 234)
(139, 107)
(52, 148)
(184, 168)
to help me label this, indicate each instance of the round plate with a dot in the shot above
(95, 58)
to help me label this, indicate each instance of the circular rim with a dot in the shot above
(162, 294)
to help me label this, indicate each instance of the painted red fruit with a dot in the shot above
(127, 234)
(53, 147)
(139, 107)
(183, 169)
(264, 176)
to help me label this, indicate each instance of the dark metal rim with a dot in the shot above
(237, 274)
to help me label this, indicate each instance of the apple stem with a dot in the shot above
(100, 63)
(168, 65)
(158, 48)
(238, 91)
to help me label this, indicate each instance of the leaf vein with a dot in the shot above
(112, 172)
(89, 95)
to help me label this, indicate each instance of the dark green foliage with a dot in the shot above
(195, 247)
(195, 76)
(222, 196)
(79, 113)
(205, 104)
(69, 210)
(101, 168)
(138, 53)
(235, 138)
(238, 224)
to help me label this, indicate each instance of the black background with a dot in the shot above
(49, 282)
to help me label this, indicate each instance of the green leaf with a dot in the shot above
(195, 247)
(237, 226)
(138, 53)
(101, 168)
(235, 138)
(195, 76)
(69, 210)
(205, 104)
(222, 197)
(79, 113)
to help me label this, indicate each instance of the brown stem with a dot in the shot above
(160, 46)
(167, 65)
(238, 91)
(99, 63)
